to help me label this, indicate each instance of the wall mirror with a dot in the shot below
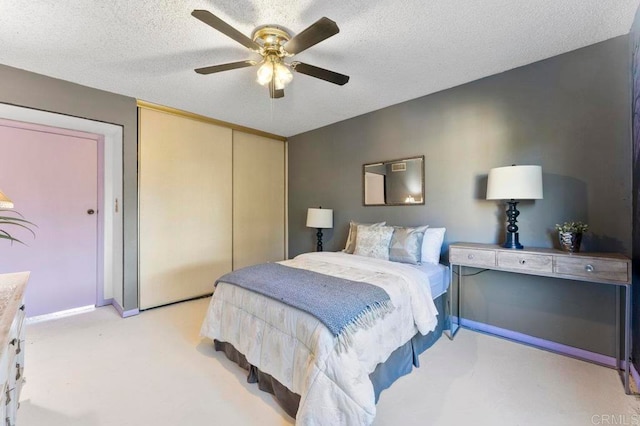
(394, 183)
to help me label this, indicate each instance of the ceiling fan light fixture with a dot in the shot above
(274, 43)
(274, 68)
(265, 73)
(282, 74)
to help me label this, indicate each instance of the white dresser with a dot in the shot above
(12, 315)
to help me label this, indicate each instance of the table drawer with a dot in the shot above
(597, 269)
(526, 262)
(472, 257)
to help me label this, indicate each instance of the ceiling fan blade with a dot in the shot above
(224, 67)
(321, 30)
(226, 29)
(273, 92)
(321, 73)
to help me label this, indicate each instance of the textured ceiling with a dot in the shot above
(394, 50)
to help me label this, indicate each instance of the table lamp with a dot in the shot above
(319, 218)
(513, 183)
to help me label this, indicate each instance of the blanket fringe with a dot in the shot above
(365, 320)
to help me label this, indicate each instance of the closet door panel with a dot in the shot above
(185, 207)
(258, 199)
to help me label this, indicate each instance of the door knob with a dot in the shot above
(90, 211)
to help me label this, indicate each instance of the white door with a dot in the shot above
(51, 176)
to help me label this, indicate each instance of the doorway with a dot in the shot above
(110, 285)
(51, 175)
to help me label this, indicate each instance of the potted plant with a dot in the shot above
(570, 235)
(13, 221)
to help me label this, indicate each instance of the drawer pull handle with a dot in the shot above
(469, 256)
(589, 268)
(522, 261)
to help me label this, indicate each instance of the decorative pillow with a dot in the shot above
(373, 241)
(406, 244)
(353, 232)
(432, 245)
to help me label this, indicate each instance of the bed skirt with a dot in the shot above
(400, 363)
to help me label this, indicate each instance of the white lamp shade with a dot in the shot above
(5, 202)
(320, 218)
(515, 183)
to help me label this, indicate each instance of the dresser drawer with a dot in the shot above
(597, 269)
(472, 257)
(526, 262)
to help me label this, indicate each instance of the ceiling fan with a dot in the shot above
(275, 44)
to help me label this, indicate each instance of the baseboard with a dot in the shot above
(123, 313)
(60, 314)
(635, 376)
(582, 354)
(104, 302)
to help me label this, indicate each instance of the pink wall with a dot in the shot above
(51, 176)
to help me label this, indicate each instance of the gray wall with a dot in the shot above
(31, 90)
(570, 114)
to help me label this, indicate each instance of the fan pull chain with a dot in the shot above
(271, 102)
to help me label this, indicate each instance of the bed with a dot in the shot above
(316, 377)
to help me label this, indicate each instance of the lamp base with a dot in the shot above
(513, 241)
(319, 235)
(512, 229)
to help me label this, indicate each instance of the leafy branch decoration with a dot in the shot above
(576, 227)
(19, 222)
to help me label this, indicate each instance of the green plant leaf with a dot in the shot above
(18, 224)
(15, 219)
(577, 227)
(12, 220)
(11, 239)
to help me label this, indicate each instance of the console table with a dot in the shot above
(608, 268)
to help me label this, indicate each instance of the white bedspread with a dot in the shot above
(301, 353)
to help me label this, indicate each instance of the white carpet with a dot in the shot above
(96, 369)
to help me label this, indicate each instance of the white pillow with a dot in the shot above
(353, 232)
(373, 241)
(432, 245)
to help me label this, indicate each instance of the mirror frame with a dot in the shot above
(364, 166)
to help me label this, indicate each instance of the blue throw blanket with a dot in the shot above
(344, 306)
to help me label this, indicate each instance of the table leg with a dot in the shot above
(453, 327)
(460, 296)
(627, 337)
(449, 332)
(619, 356)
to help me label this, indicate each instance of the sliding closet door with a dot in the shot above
(258, 199)
(185, 207)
